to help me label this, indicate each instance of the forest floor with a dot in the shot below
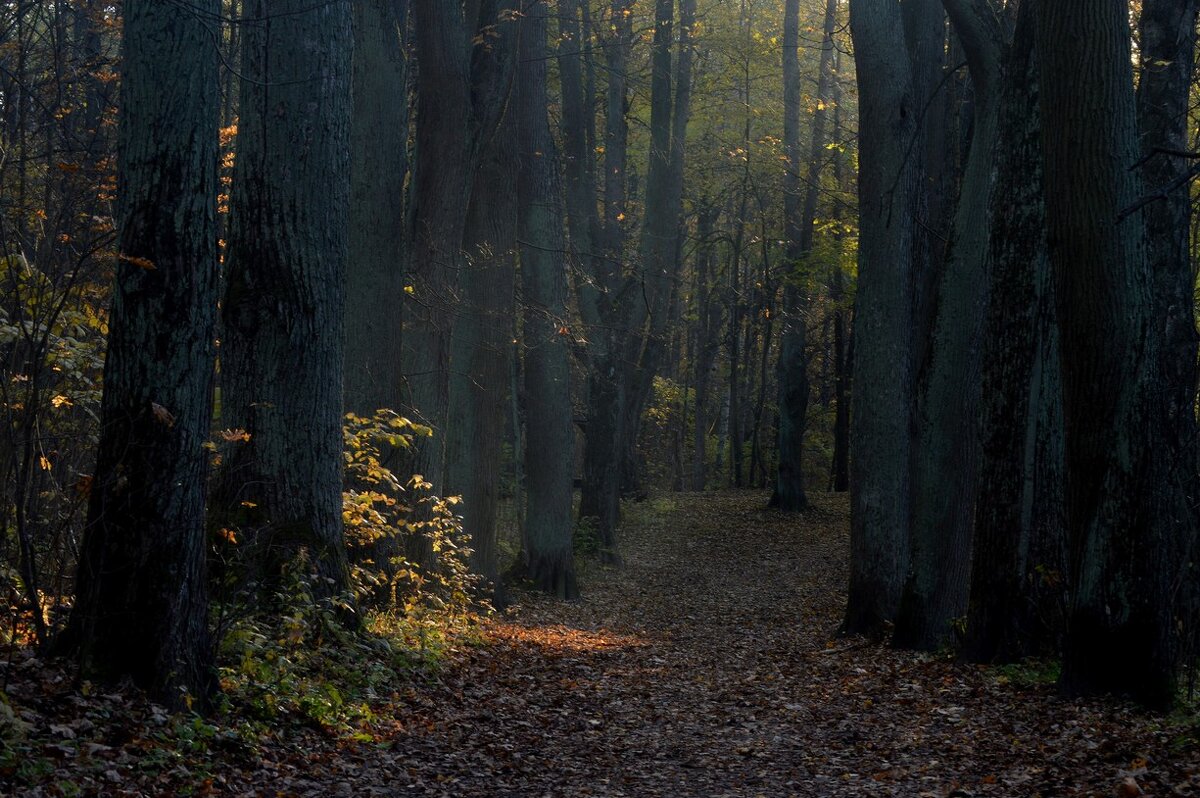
(708, 666)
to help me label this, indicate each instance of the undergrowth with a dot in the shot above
(290, 664)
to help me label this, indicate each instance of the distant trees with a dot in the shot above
(141, 608)
(799, 218)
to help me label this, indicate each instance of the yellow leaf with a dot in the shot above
(141, 263)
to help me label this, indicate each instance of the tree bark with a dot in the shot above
(443, 166)
(282, 351)
(481, 339)
(882, 399)
(1130, 497)
(789, 494)
(945, 477)
(141, 594)
(1168, 58)
(550, 453)
(1020, 366)
(378, 172)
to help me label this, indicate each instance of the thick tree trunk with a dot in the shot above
(883, 380)
(789, 492)
(480, 343)
(1129, 497)
(378, 172)
(441, 186)
(1019, 382)
(550, 452)
(1168, 57)
(945, 477)
(282, 351)
(141, 607)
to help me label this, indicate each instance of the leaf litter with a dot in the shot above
(708, 666)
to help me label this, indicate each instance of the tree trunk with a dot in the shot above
(707, 344)
(600, 496)
(282, 352)
(945, 477)
(1000, 619)
(789, 492)
(1129, 495)
(550, 453)
(882, 398)
(378, 172)
(842, 351)
(441, 185)
(1168, 47)
(481, 337)
(660, 227)
(141, 594)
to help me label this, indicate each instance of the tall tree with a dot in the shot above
(141, 596)
(883, 380)
(670, 110)
(550, 447)
(378, 172)
(1018, 515)
(798, 223)
(481, 339)
(1168, 59)
(282, 351)
(946, 462)
(1130, 498)
(446, 141)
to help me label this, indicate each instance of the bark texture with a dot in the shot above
(141, 594)
(378, 172)
(1018, 567)
(945, 476)
(550, 447)
(1129, 510)
(882, 397)
(283, 347)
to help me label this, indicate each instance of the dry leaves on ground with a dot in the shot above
(708, 666)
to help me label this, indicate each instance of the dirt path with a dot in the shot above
(708, 667)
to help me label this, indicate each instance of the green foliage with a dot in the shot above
(1030, 673)
(299, 662)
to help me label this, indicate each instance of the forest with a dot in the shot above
(599, 397)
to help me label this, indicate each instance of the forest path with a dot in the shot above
(708, 666)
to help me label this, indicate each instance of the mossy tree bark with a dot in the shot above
(1015, 601)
